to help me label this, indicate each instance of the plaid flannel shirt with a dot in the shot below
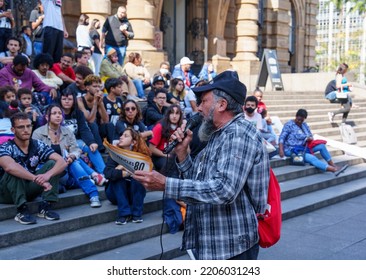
(221, 222)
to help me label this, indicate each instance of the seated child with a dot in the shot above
(7, 94)
(26, 106)
(122, 190)
(266, 132)
(5, 124)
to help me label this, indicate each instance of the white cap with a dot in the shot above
(185, 60)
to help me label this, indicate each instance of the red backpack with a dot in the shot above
(269, 223)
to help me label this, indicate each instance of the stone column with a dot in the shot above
(246, 62)
(217, 14)
(141, 16)
(276, 33)
(98, 9)
(310, 33)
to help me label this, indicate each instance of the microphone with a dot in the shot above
(192, 123)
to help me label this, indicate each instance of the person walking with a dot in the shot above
(227, 182)
(116, 32)
(341, 86)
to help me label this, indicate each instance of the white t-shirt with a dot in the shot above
(256, 119)
(53, 14)
(82, 36)
(190, 96)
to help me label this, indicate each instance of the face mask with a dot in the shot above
(164, 71)
(173, 126)
(249, 110)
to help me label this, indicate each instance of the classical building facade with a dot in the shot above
(231, 33)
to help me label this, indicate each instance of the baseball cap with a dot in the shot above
(158, 78)
(185, 60)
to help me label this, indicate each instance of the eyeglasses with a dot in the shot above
(130, 109)
(22, 127)
(161, 98)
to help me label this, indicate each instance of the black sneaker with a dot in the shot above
(25, 218)
(122, 220)
(137, 220)
(44, 212)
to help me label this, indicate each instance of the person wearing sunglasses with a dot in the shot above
(131, 116)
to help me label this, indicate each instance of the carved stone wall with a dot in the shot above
(233, 32)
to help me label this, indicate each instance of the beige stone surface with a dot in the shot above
(233, 29)
(96, 7)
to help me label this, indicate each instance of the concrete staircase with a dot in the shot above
(86, 233)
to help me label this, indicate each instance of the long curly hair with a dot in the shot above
(140, 145)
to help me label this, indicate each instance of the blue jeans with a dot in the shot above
(101, 131)
(95, 157)
(121, 52)
(128, 195)
(139, 87)
(37, 47)
(313, 160)
(97, 58)
(82, 178)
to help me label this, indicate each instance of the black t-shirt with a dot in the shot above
(331, 86)
(113, 108)
(75, 90)
(95, 35)
(38, 152)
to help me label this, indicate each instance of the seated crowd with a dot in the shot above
(55, 118)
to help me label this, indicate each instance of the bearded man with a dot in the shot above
(226, 184)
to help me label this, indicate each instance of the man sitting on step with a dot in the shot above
(29, 168)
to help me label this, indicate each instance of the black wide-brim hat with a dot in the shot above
(227, 81)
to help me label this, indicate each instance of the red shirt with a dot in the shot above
(158, 141)
(56, 68)
(261, 107)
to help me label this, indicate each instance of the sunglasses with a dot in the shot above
(130, 109)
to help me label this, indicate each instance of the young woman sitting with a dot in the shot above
(122, 190)
(63, 141)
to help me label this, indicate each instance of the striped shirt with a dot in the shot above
(221, 222)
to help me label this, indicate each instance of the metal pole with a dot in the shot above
(175, 32)
(205, 30)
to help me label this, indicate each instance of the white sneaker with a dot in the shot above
(95, 202)
(331, 117)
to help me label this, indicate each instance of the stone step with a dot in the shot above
(72, 219)
(290, 172)
(286, 113)
(278, 162)
(77, 244)
(299, 102)
(334, 130)
(308, 202)
(162, 247)
(330, 194)
(302, 185)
